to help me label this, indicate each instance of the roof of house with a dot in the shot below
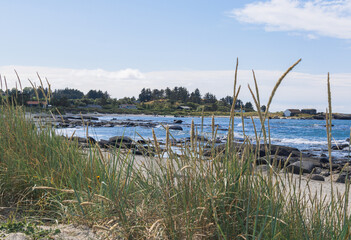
(294, 110)
(35, 102)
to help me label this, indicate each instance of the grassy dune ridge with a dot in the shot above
(184, 196)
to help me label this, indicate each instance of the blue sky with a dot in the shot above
(122, 46)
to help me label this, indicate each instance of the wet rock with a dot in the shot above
(177, 121)
(324, 160)
(342, 116)
(340, 146)
(317, 177)
(175, 127)
(318, 117)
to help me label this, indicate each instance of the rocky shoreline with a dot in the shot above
(281, 157)
(316, 164)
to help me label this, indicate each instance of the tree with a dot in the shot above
(248, 107)
(93, 94)
(228, 100)
(210, 98)
(195, 96)
(238, 104)
(145, 95)
(68, 93)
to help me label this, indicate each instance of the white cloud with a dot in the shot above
(317, 17)
(298, 90)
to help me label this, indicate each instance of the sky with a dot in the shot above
(124, 46)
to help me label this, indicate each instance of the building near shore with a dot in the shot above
(128, 106)
(291, 112)
(184, 108)
(311, 111)
(37, 104)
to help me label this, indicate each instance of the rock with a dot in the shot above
(340, 147)
(334, 166)
(120, 139)
(78, 139)
(175, 127)
(318, 117)
(277, 161)
(342, 116)
(104, 143)
(301, 167)
(91, 140)
(317, 177)
(324, 160)
(281, 151)
(317, 170)
(343, 177)
(177, 121)
(221, 148)
(142, 141)
(89, 118)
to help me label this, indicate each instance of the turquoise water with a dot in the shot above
(302, 134)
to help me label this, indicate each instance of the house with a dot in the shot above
(239, 110)
(184, 107)
(291, 112)
(128, 106)
(93, 106)
(36, 104)
(311, 111)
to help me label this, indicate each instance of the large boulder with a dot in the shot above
(317, 177)
(280, 151)
(104, 143)
(343, 177)
(175, 127)
(121, 141)
(340, 146)
(177, 121)
(277, 161)
(301, 167)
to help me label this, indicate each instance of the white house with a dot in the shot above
(291, 112)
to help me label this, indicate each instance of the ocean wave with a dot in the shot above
(304, 141)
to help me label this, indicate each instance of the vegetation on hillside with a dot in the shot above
(155, 101)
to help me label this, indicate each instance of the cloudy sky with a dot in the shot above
(123, 46)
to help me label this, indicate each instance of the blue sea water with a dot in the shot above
(302, 134)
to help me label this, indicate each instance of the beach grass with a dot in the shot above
(168, 196)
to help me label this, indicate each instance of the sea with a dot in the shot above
(304, 134)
